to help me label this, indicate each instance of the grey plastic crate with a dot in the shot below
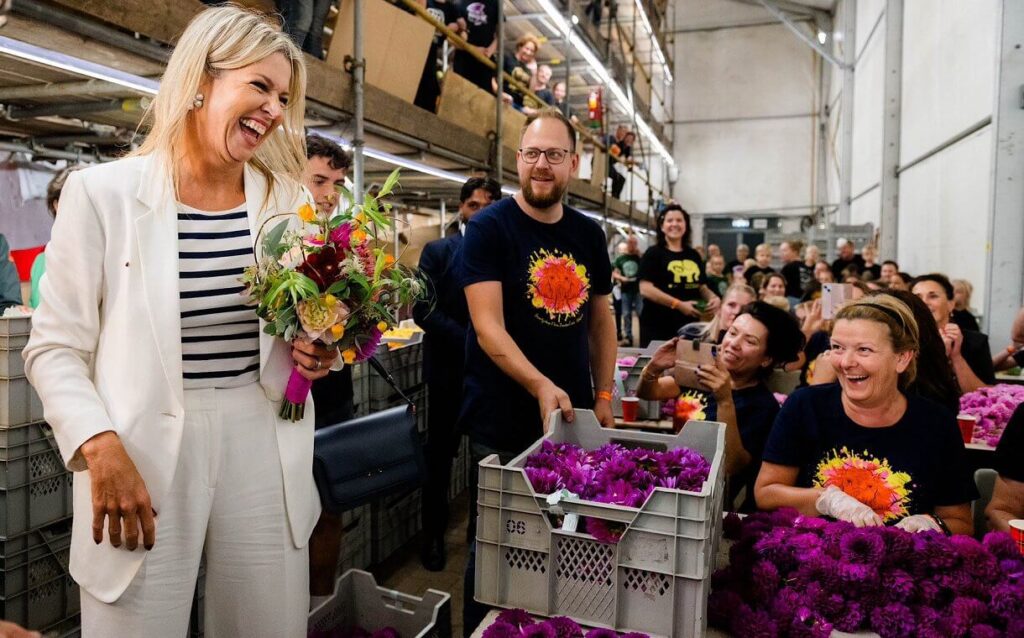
(37, 436)
(396, 519)
(35, 487)
(359, 602)
(19, 403)
(356, 540)
(11, 364)
(654, 580)
(15, 326)
(37, 590)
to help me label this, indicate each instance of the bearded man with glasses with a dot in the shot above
(537, 277)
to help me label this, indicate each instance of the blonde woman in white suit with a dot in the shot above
(161, 388)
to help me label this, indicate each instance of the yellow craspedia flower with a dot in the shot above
(359, 236)
(389, 259)
(349, 356)
(306, 213)
(330, 300)
(337, 331)
(382, 325)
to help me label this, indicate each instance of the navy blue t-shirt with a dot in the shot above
(909, 467)
(756, 409)
(549, 275)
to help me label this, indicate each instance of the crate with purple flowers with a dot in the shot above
(654, 580)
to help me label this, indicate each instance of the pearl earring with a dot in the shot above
(197, 102)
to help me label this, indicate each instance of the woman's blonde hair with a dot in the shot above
(220, 39)
(904, 335)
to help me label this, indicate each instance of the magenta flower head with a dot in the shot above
(565, 627)
(368, 348)
(602, 633)
(501, 629)
(864, 546)
(341, 236)
(515, 617)
(1000, 544)
(538, 630)
(893, 621)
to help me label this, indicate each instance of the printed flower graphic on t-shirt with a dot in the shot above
(558, 286)
(867, 479)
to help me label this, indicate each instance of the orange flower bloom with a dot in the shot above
(306, 213)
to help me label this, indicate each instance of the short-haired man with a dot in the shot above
(444, 318)
(537, 279)
(889, 269)
(798, 274)
(742, 253)
(848, 259)
(325, 172)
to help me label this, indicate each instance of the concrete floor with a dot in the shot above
(404, 572)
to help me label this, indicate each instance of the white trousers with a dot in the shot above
(226, 502)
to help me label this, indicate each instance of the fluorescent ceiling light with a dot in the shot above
(53, 59)
(625, 103)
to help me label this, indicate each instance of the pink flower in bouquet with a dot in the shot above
(342, 236)
(317, 316)
(314, 241)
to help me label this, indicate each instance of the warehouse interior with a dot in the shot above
(890, 124)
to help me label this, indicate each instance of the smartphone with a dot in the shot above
(833, 296)
(689, 355)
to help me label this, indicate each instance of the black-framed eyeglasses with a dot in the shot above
(555, 155)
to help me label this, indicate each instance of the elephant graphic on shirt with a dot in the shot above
(684, 269)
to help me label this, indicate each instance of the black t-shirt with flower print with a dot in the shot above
(549, 275)
(906, 468)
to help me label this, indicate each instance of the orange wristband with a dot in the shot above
(604, 394)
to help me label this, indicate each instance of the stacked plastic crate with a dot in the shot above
(36, 589)
(655, 580)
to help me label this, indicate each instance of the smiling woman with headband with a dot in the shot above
(159, 384)
(864, 450)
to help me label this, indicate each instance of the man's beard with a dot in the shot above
(542, 201)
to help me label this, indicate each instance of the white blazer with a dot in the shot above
(105, 349)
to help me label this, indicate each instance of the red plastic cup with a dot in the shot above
(630, 408)
(1017, 533)
(967, 423)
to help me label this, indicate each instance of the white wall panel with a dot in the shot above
(756, 71)
(867, 209)
(868, 102)
(700, 14)
(944, 219)
(752, 165)
(948, 70)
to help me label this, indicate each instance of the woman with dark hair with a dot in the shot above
(935, 379)
(672, 279)
(760, 339)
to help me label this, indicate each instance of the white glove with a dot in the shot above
(841, 506)
(919, 523)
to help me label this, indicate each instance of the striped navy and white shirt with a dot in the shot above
(219, 334)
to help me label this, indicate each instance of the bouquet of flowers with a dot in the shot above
(327, 280)
(517, 623)
(993, 406)
(613, 474)
(790, 575)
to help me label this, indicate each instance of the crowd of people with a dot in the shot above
(162, 391)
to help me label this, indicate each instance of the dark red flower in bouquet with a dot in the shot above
(322, 267)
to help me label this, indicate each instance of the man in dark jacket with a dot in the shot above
(444, 318)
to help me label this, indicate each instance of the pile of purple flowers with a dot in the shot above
(790, 575)
(516, 623)
(615, 474)
(993, 406)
